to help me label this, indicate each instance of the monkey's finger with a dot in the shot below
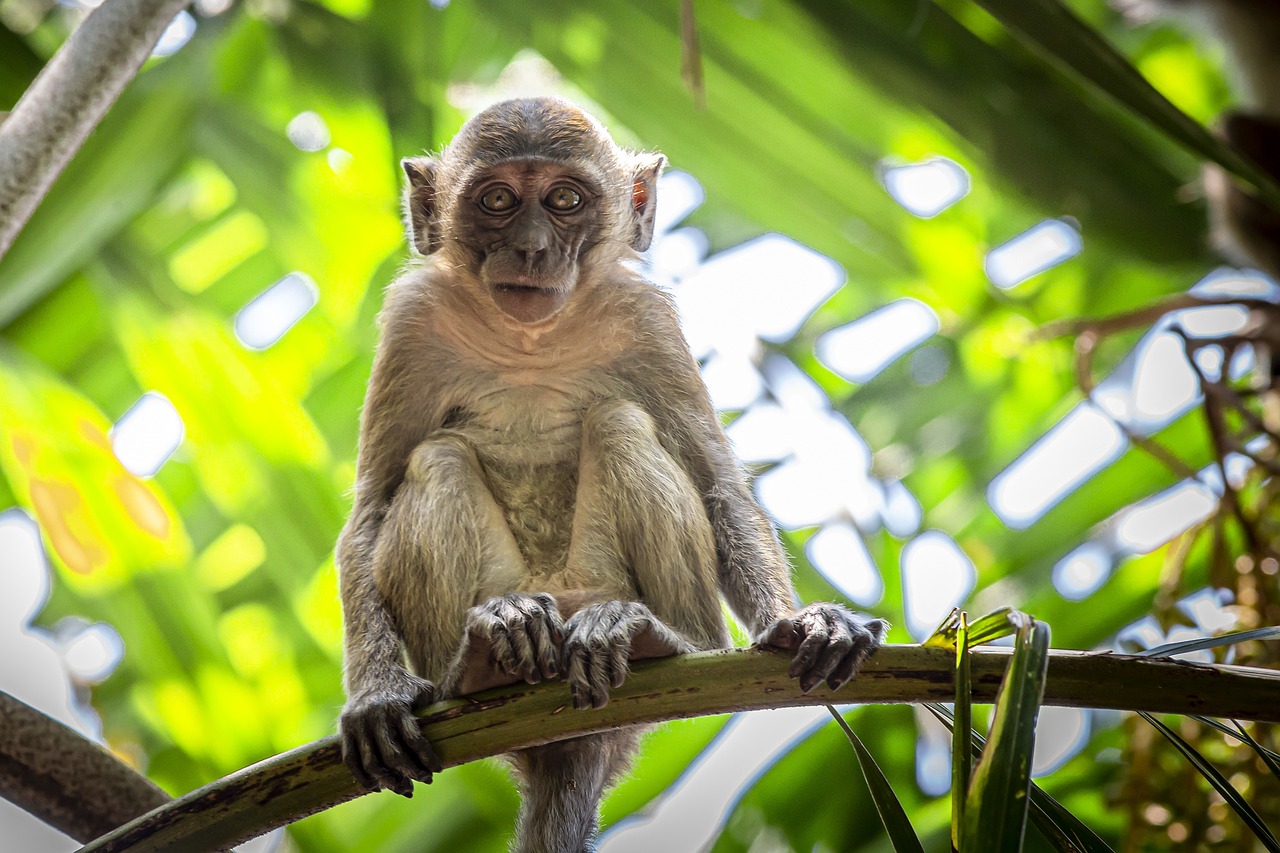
(545, 653)
(501, 652)
(576, 673)
(551, 618)
(397, 765)
(353, 751)
(866, 639)
(839, 646)
(599, 676)
(419, 749)
(522, 653)
(617, 662)
(814, 642)
(372, 764)
(847, 669)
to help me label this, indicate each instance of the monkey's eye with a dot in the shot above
(563, 199)
(499, 200)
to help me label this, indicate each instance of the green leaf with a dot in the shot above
(961, 748)
(996, 624)
(1052, 27)
(1059, 826)
(892, 815)
(1171, 649)
(996, 802)
(1219, 783)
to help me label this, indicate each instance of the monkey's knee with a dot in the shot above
(619, 426)
(444, 458)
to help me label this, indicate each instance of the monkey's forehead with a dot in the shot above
(535, 127)
(583, 170)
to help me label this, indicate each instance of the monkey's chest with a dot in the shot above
(529, 445)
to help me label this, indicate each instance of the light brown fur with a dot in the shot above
(543, 488)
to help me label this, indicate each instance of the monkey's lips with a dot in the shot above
(528, 303)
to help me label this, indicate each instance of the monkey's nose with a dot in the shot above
(532, 255)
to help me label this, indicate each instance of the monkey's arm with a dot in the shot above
(829, 640)
(382, 744)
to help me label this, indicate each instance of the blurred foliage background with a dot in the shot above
(264, 147)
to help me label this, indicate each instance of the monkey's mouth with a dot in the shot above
(528, 303)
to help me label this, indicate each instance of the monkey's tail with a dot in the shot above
(562, 785)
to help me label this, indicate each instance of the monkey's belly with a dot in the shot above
(538, 501)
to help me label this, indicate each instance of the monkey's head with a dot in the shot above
(533, 198)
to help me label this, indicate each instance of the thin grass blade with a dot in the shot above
(1270, 756)
(1219, 783)
(961, 747)
(1271, 759)
(1171, 649)
(892, 815)
(1059, 826)
(995, 810)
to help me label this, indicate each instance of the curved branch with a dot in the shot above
(312, 778)
(68, 99)
(65, 779)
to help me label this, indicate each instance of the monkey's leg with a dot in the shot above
(640, 524)
(442, 543)
(561, 786)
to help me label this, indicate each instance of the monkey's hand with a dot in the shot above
(830, 642)
(601, 638)
(382, 742)
(510, 638)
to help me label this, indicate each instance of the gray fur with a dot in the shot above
(544, 489)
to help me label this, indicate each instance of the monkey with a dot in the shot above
(543, 489)
(1242, 227)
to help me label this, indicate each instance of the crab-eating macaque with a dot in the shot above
(543, 489)
(1243, 227)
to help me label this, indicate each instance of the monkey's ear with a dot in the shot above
(420, 203)
(644, 197)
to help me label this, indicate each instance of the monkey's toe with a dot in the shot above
(830, 643)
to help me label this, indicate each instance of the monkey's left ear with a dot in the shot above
(420, 203)
(644, 197)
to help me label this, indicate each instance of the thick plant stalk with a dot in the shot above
(68, 99)
(63, 778)
(312, 778)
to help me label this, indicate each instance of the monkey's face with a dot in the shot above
(525, 225)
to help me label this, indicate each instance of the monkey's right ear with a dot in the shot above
(644, 192)
(420, 203)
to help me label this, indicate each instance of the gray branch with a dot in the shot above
(68, 99)
(65, 779)
(312, 778)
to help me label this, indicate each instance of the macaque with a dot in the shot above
(543, 489)
(1243, 227)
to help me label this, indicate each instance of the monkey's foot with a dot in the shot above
(830, 642)
(382, 741)
(507, 639)
(600, 640)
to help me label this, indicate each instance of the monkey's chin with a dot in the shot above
(528, 305)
